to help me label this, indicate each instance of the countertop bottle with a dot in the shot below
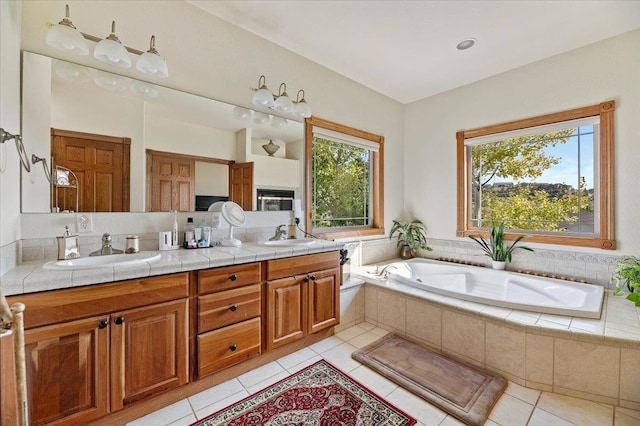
(189, 234)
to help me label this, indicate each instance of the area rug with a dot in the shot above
(318, 395)
(461, 390)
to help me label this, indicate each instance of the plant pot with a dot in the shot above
(405, 252)
(499, 265)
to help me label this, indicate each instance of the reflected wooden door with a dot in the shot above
(101, 164)
(172, 181)
(241, 185)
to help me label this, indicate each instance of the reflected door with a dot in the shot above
(173, 181)
(241, 185)
(101, 164)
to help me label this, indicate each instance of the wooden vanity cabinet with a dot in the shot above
(229, 316)
(303, 297)
(103, 347)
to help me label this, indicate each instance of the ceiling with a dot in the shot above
(406, 50)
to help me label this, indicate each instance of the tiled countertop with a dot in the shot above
(619, 323)
(31, 277)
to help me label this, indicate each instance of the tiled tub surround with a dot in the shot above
(598, 360)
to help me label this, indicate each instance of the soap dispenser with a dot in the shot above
(68, 247)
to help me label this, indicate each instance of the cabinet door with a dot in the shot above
(324, 300)
(67, 371)
(286, 320)
(148, 351)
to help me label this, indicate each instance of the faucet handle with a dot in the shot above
(106, 238)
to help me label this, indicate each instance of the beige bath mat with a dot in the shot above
(461, 390)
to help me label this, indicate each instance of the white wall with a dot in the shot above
(212, 179)
(10, 24)
(589, 75)
(212, 58)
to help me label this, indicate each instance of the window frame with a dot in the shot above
(606, 238)
(377, 180)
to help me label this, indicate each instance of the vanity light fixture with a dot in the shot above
(110, 50)
(262, 96)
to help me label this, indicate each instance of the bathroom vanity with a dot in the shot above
(114, 351)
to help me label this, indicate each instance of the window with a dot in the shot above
(548, 177)
(344, 180)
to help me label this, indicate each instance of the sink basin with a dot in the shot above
(289, 243)
(103, 261)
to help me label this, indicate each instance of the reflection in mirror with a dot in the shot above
(72, 98)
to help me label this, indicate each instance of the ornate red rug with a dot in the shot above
(318, 395)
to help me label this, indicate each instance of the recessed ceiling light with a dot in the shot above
(466, 44)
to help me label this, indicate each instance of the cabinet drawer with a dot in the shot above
(228, 307)
(228, 277)
(299, 265)
(227, 346)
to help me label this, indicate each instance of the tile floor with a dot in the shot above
(517, 406)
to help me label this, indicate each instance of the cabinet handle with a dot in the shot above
(233, 277)
(103, 324)
(313, 277)
(233, 308)
(233, 347)
(119, 320)
(306, 279)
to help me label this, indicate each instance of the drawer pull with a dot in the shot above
(119, 320)
(233, 347)
(103, 324)
(313, 277)
(233, 277)
(233, 308)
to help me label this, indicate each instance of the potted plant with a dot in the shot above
(412, 235)
(496, 248)
(628, 273)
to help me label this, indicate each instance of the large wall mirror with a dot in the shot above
(103, 130)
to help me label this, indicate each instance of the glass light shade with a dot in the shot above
(283, 103)
(152, 64)
(111, 82)
(260, 117)
(144, 90)
(67, 38)
(302, 109)
(278, 122)
(263, 97)
(70, 71)
(113, 53)
(241, 113)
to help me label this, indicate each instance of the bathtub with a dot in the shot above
(501, 288)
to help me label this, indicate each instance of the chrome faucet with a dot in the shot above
(106, 247)
(384, 273)
(281, 233)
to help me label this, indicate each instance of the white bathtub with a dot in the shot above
(501, 288)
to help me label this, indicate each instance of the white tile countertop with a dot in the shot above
(31, 277)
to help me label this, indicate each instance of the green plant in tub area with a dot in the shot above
(628, 273)
(411, 233)
(495, 247)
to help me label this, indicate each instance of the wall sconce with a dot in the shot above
(110, 50)
(262, 96)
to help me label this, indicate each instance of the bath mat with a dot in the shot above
(317, 395)
(461, 390)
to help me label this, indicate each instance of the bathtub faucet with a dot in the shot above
(384, 273)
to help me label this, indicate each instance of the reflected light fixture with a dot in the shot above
(278, 122)
(110, 50)
(260, 117)
(262, 96)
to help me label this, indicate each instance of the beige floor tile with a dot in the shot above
(219, 405)
(621, 419)
(267, 382)
(325, 344)
(372, 380)
(166, 415)
(451, 421)
(416, 407)
(491, 423)
(510, 411)
(304, 364)
(340, 356)
(216, 393)
(367, 326)
(530, 396)
(185, 421)
(576, 410)
(364, 339)
(542, 418)
(628, 412)
(296, 358)
(260, 374)
(380, 331)
(351, 332)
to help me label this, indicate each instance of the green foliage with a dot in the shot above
(628, 273)
(340, 184)
(412, 233)
(496, 248)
